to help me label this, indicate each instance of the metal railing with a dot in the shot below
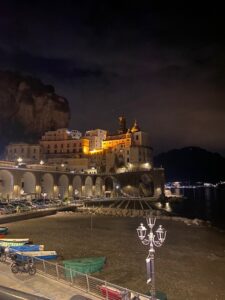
(86, 283)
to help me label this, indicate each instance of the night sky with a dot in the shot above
(163, 66)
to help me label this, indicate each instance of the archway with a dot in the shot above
(28, 183)
(63, 186)
(98, 187)
(47, 184)
(146, 186)
(109, 186)
(77, 186)
(88, 187)
(6, 184)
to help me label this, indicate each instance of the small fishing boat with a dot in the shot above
(4, 230)
(110, 293)
(84, 265)
(46, 255)
(8, 244)
(26, 248)
(13, 242)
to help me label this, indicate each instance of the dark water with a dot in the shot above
(206, 203)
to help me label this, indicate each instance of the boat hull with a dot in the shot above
(14, 240)
(8, 244)
(46, 255)
(26, 248)
(84, 265)
(3, 230)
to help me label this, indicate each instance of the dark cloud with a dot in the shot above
(162, 65)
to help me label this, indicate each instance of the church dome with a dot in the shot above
(135, 127)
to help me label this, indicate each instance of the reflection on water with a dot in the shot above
(207, 203)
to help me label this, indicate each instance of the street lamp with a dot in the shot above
(19, 160)
(151, 240)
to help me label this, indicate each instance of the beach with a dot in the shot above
(190, 264)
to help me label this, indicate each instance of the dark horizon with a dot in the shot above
(163, 66)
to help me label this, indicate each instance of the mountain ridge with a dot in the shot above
(192, 164)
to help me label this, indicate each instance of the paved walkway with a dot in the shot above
(38, 285)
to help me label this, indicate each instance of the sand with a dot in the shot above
(190, 264)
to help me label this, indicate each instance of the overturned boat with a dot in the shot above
(84, 265)
(13, 242)
(26, 248)
(46, 255)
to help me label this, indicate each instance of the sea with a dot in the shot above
(201, 202)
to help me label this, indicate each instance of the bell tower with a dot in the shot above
(122, 125)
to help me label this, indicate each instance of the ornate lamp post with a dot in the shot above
(151, 240)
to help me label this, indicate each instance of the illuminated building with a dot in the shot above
(61, 142)
(96, 138)
(128, 150)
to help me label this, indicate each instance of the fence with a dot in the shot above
(86, 283)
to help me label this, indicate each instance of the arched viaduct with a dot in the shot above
(16, 182)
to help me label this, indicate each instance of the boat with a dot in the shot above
(84, 265)
(111, 293)
(46, 255)
(26, 248)
(3, 230)
(13, 242)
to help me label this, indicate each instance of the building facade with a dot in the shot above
(23, 152)
(61, 144)
(128, 150)
(96, 138)
(123, 161)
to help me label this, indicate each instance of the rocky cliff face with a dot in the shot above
(28, 108)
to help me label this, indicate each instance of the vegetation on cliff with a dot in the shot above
(29, 108)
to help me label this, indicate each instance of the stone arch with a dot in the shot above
(28, 183)
(6, 184)
(47, 184)
(88, 186)
(63, 186)
(77, 186)
(110, 186)
(99, 187)
(146, 185)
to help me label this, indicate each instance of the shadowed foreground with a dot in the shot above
(190, 265)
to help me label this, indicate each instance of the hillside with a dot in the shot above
(192, 164)
(29, 108)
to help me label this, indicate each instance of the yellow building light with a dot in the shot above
(85, 149)
(37, 189)
(16, 188)
(95, 151)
